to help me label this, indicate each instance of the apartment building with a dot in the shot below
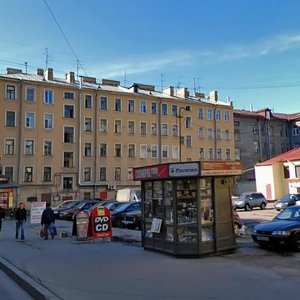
(64, 138)
(261, 135)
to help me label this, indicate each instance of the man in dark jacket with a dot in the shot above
(48, 220)
(20, 220)
(2, 216)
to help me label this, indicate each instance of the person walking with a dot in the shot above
(48, 220)
(2, 216)
(20, 220)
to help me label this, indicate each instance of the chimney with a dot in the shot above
(70, 77)
(40, 72)
(13, 71)
(49, 74)
(199, 95)
(184, 93)
(88, 79)
(169, 91)
(110, 82)
(213, 95)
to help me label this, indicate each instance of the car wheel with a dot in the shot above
(236, 229)
(247, 206)
(263, 206)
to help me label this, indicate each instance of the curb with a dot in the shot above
(33, 288)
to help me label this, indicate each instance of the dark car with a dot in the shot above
(133, 219)
(64, 206)
(286, 200)
(110, 204)
(249, 200)
(117, 215)
(83, 205)
(283, 230)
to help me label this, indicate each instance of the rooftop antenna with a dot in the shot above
(179, 83)
(26, 67)
(125, 78)
(162, 81)
(195, 85)
(77, 68)
(48, 58)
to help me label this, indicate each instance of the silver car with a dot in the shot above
(249, 200)
(286, 200)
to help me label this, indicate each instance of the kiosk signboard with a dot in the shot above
(101, 222)
(82, 224)
(36, 211)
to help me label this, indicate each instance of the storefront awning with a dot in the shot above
(8, 185)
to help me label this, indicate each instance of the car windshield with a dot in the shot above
(244, 197)
(122, 207)
(73, 204)
(290, 213)
(286, 198)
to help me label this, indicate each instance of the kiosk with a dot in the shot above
(187, 207)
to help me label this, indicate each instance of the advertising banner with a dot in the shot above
(101, 222)
(36, 211)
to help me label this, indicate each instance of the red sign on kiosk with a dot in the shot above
(101, 222)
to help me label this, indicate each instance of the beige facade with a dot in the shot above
(62, 138)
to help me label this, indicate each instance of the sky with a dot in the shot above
(247, 50)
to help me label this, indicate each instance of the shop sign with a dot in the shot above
(184, 169)
(101, 222)
(220, 168)
(82, 224)
(151, 172)
(36, 211)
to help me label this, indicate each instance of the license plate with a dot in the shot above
(262, 238)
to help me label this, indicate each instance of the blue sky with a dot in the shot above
(248, 50)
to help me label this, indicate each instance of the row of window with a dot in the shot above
(165, 109)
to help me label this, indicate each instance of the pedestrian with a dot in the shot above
(48, 220)
(20, 220)
(2, 216)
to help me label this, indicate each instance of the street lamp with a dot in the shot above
(180, 137)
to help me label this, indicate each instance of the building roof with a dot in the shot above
(292, 155)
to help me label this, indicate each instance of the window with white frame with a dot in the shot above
(227, 134)
(218, 115)
(188, 122)
(295, 130)
(201, 153)
(218, 134)
(118, 126)
(201, 113)
(227, 154)
(10, 92)
(154, 151)
(30, 94)
(103, 150)
(174, 130)
(69, 136)
(47, 174)
(131, 129)
(226, 115)
(131, 150)
(103, 103)
(254, 128)
(87, 174)
(154, 128)
(189, 141)
(175, 152)
(10, 120)
(47, 148)
(102, 174)
(69, 95)
(237, 154)
(28, 174)
(237, 135)
(48, 97)
(88, 124)
(143, 107)
(131, 106)
(9, 148)
(164, 129)
(118, 104)
(210, 133)
(174, 110)
(165, 151)
(201, 132)
(68, 183)
(210, 153)
(69, 111)
(48, 121)
(143, 151)
(88, 149)
(219, 153)
(143, 128)
(9, 172)
(164, 109)
(88, 101)
(118, 173)
(209, 114)
(255, 146)
(154, 108)
(29, 147)
(103, 125)
(29, 120)
(68, 159)
(118, 150)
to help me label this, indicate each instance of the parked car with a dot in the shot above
(237, 223)
(133, 219)
(64, 206)
(286, 200)
(83, 205)
(110, 204)
(117, 215)
(249, 200)
(283, 230)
